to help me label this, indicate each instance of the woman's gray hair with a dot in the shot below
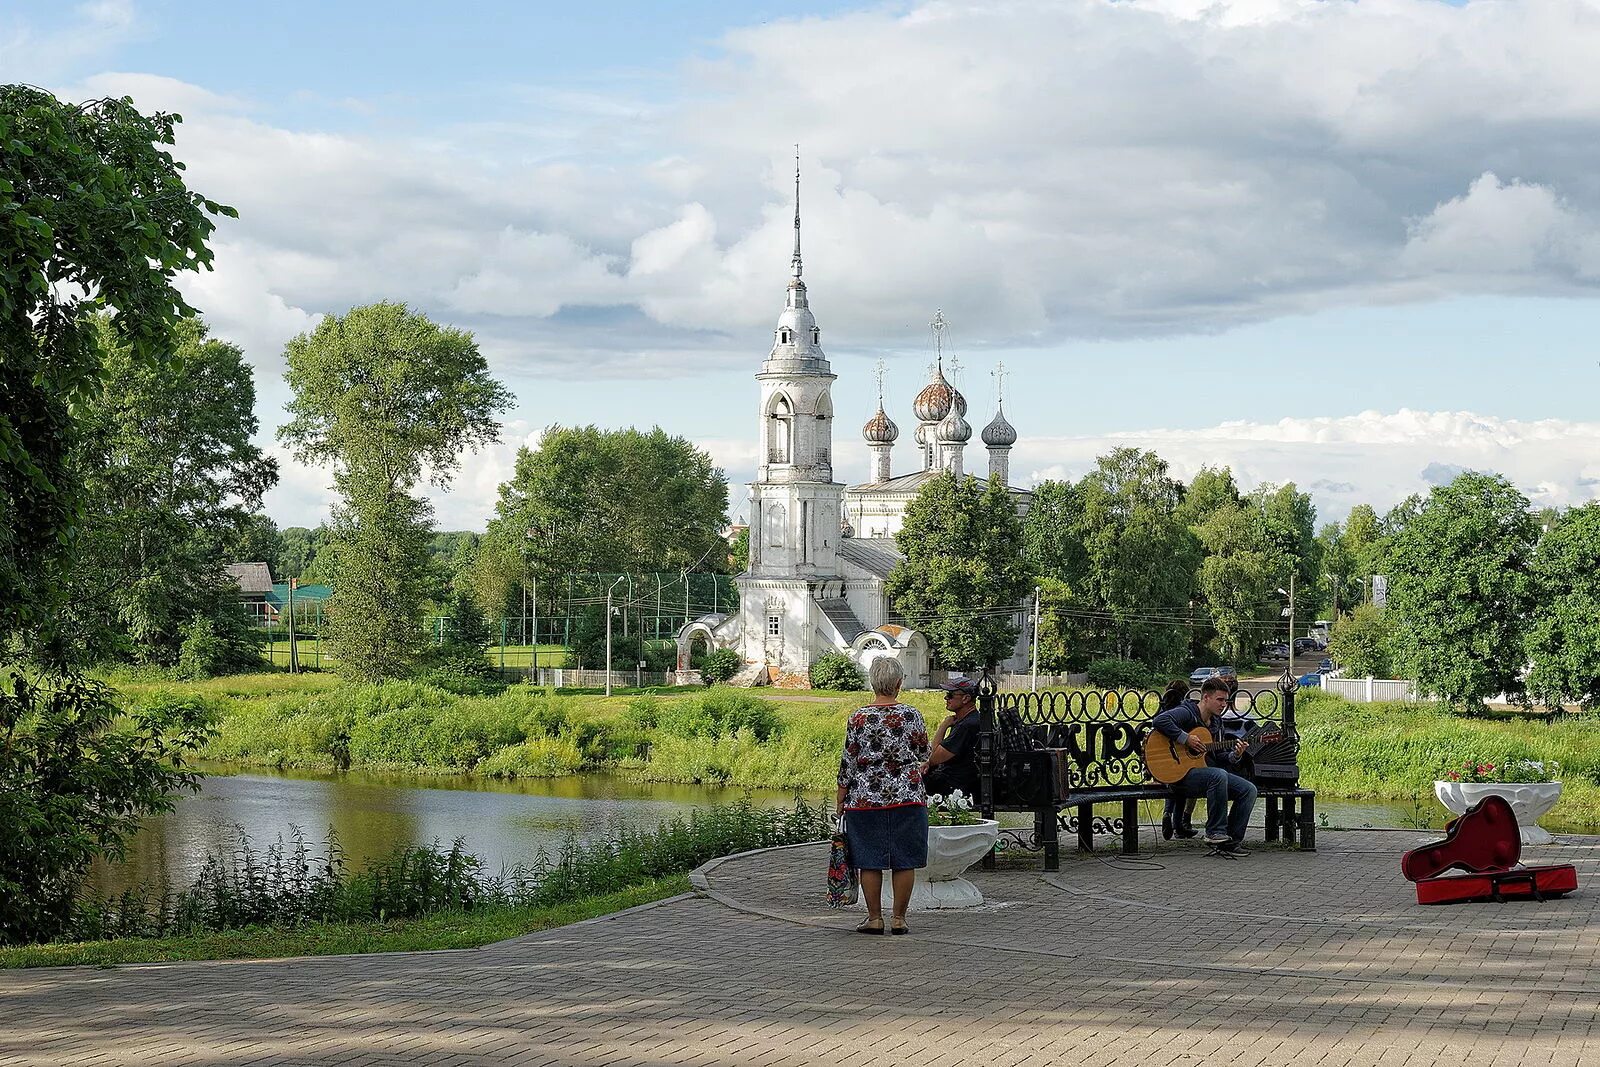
(886, 676)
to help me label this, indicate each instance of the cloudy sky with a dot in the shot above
(1355, 246)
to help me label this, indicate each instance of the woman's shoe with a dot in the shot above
(871, 926)
(1166, 826)
(898, 925)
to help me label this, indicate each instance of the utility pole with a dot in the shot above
(1034, 685)
(294, 659)
(609, 588)
(1291, 624)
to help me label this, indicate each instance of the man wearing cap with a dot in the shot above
(954, 762)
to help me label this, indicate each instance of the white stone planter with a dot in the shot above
(951, 850)
(1529, 801)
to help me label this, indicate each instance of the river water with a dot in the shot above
(502, 822)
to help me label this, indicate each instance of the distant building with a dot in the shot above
(255, 589)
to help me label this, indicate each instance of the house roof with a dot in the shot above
(875, 555)
(254, 579)
(843, 619)
(911, 483)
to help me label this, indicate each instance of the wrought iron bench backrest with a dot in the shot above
(1100, 734)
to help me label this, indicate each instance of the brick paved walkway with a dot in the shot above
(1276, 959)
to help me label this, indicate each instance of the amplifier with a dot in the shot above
(1036, 778)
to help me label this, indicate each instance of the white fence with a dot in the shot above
(561, 677)
(1372, 690)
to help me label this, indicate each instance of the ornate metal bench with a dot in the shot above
(1061, 755)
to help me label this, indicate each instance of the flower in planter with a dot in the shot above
(954, 810)
(1507, 771)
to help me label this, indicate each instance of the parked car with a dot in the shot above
(1306, 644)
(1227, 672)
(1200, 674)
(1275, 651)
(1311, 681)
(1325, 666)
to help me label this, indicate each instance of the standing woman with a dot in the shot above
(881, 797)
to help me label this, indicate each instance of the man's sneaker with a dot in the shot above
(1218, 839)
(1235, 848)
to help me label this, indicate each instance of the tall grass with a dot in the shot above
(291, 885)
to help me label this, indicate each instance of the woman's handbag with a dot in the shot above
(842, 884)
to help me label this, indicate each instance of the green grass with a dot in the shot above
(452, 930)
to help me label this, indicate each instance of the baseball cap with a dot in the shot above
(960, 685)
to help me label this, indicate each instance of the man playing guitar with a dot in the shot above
(1225, 827)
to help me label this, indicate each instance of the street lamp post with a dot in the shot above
(609, 588)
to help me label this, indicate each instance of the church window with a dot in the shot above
(781, 440)
(816, 336)
(785, 337)
(774, 625)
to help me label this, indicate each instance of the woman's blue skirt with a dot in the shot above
(888, 839)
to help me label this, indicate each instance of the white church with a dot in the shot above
(820, 552)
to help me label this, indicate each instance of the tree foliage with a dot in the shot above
(170, 478)
(1461, 587)
(1362, 642)
(1564, 638)
(962, 575)
(387, 398)
(94, 215)
(835, 670)
(612, 500)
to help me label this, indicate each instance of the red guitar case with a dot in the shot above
(1486, 844)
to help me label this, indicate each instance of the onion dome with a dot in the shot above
(880, 429)
(953, 430)
(936, 398)
(922, 433)
(1000, 433)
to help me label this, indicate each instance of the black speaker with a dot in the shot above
(1031, 778)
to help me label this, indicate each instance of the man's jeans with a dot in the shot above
(1219, 787)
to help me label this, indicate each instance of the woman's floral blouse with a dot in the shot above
(884, 750)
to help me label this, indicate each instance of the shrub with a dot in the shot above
(537, 757)
(225, 645)
(76, 782)
(835, 670)
(1118, 674)
(720, 666)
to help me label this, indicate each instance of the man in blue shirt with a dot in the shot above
(1225, 825)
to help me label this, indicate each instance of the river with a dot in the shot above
(502, 822)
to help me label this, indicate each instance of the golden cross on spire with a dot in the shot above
(999, 375)
(878, 372)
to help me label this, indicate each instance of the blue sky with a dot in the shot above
(1337, 244)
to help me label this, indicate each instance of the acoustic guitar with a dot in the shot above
(1168, 760)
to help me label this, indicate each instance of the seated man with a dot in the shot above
(1225, 827)
(953, 763)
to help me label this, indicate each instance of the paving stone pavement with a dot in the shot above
(1169, 959)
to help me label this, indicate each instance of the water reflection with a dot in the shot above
(504, 822)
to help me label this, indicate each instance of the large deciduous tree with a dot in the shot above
(386, 398)
(1362, 642)
(170, 477)
(94, 215)
(1140, 559)
(589, 499)
(1564, 639)
(962, 575)
(1462, 590)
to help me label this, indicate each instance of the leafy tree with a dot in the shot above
(1564, 639)
(1213, 489)
(385, 397)
(297, 555)
(255, 539)
(611, 501)
(1055, 625)
(1462, 589)
(962, 575)
(1052, 533)
(1140, 560)
(1362, 539)
(739, 552)
(171, 478)
(1340, 582)
(1238, 578)
(835, 670)
(94, 214)
(1363, 641)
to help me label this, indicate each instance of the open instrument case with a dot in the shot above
(1485, 844)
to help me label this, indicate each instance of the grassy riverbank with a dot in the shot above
(789, 740)
(456, 929)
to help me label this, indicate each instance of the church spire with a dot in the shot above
(794, 264)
